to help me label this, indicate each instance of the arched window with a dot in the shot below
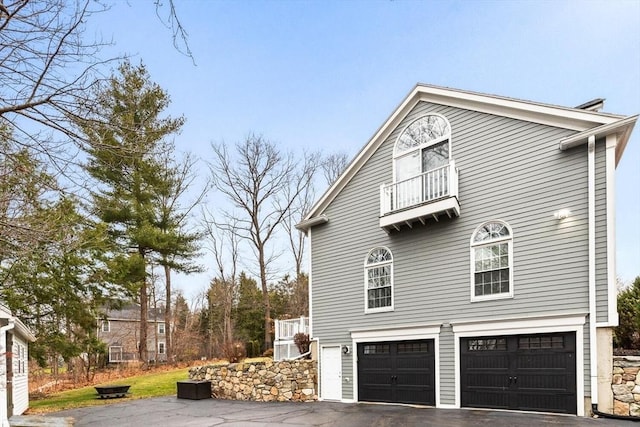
(422, 146)
(492, 261)
(421, 159)
(378, 280)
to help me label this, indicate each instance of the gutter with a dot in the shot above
(305, 225)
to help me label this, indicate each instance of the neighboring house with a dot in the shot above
(466, 257)
(14, 366)
(120, 330)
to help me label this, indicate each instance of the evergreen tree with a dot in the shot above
(126, 149)
(627, 333)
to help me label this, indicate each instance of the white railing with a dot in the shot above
(285, 350)
(286, 329)
(432, 185)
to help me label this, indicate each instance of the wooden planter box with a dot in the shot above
(193, 389)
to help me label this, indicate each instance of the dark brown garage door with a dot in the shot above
(397, 372)
(525, 372)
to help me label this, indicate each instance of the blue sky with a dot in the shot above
(326, 74)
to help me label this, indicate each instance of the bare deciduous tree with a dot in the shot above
(253, 179)
(333, 165)
(299, 206)
(223, 239)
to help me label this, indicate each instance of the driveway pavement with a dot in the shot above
(173, 412)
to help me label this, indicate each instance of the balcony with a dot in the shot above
(418, 199)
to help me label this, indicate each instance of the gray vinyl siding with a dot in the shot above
(509, 170)
(447, 367)
(587, 359)
(601, 233)
(347, 373)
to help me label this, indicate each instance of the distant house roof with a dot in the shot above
(131, 312)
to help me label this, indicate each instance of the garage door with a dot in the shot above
(525, 372)
(397, 372)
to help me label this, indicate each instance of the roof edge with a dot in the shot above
(552, 115)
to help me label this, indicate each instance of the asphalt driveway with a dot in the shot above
(173, 412)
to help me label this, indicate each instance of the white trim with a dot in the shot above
(444, 205)
(397, 334)
(310, 285)
(611, 144)
(593, 347)
(569, 118)
(475, 245)
(366, 268)
(540, 325)
(164, 347)
(622, 128)
(308, 223)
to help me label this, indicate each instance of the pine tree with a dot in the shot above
(126, 149)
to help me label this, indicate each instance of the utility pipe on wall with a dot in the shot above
(593, 346)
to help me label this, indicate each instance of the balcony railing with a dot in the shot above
(424, 188)
(286, 329)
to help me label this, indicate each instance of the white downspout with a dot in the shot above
(593, 347)
(4, 420)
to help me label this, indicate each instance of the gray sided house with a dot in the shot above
(14, 366)
(466, 257)
(120, 331)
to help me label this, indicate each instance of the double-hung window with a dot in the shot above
(492, 262)
(378, 278)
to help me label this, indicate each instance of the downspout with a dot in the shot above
(593, 346)
(4, 421)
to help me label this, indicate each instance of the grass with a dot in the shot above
(142, 386)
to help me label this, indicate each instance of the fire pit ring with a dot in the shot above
(112, 391)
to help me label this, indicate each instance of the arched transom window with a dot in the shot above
(421, 162)
(378, 277)
(492, 261)
(422, 146)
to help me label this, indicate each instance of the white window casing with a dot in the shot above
(491, 252)
(378, 280)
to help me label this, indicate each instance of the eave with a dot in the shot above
(622, 128)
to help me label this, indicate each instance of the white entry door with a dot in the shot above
(331, 373)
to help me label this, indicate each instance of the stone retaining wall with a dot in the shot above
(263, 381)
(626, 385)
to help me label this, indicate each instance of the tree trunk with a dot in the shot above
(144, 314)
(167, 314)
(265, 298)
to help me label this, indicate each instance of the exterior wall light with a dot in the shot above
(562, 214)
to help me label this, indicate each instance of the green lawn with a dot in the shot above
(147, 385)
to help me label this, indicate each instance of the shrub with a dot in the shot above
(268, 353)
(234, 351)
(302, 341)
